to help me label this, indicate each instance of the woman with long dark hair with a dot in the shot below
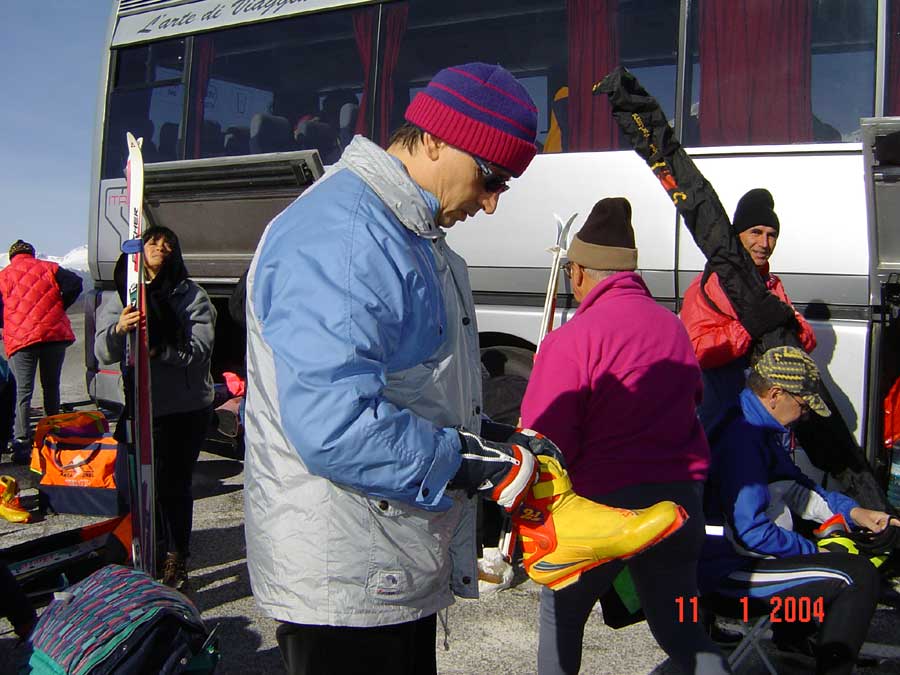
(181, 327)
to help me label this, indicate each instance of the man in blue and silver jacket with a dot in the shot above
(363, 361)
(364, 435)
(753, 562)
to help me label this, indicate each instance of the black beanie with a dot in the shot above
(755, 208)
(20, 247)
(606, 240)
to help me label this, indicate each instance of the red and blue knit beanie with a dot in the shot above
(481, 109)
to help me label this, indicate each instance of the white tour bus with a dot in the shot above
(232, 96)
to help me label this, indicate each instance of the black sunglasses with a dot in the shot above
(804, 406)
(493, 182)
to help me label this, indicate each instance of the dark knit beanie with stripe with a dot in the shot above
(20, 247)
(480, 109)
(606, 240)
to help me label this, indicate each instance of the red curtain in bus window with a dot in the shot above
(204, 55)
(364, 22)
(755, 72)
(892, 104)
(593, 52)
(394, 28)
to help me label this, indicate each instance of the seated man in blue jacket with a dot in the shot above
(752, 565)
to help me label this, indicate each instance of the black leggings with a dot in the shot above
(176, 445)
(787, 589)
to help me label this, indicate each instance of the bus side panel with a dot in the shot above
(523, 227)
(820, 201)
(520, 322)
(112, 226)
(841, 353)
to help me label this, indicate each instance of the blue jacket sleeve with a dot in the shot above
(745, 498)
(334, 305)
(837, 502)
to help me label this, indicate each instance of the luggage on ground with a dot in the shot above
(120, 621)
(80, 466)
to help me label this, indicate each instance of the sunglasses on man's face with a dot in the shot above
(804, 406)
(493, 182)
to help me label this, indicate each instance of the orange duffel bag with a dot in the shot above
(79, 464)
(82, 423)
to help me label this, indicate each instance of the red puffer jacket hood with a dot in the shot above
(33, 309)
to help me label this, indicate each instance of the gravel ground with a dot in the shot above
(497, 634)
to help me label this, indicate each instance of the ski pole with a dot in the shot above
(549, 313)
(507, 532)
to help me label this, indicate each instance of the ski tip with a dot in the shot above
(132, 141)
(565, 230)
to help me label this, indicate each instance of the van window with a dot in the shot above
(266, 87)
(558, 50)
(777, 73)
(281, 85)
(147, 99)
(892, 76)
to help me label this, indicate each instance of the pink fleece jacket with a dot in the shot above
(616, 389)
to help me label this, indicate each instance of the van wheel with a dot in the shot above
(505, 371)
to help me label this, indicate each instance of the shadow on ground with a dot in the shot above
(210, 477)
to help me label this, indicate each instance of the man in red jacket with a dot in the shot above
(722, 344)
(34, 295)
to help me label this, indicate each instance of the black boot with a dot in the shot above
(175, 571)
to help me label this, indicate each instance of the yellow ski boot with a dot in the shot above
(564, 535)
(10, 508)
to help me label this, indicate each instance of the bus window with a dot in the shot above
(147, 100)
(892, 77)
(279, 86)
(780, 73)
(558, 49)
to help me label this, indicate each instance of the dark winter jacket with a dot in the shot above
(179, 373)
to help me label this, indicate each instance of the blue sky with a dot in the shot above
(51, 52)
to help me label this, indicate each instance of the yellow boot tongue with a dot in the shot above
(9, 488)
(557, 485)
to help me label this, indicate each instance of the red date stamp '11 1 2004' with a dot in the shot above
(788, 609)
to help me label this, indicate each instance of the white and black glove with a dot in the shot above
(501, 471)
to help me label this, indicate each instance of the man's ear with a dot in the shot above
(432, 146)
(577, 274)
(772, 397)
